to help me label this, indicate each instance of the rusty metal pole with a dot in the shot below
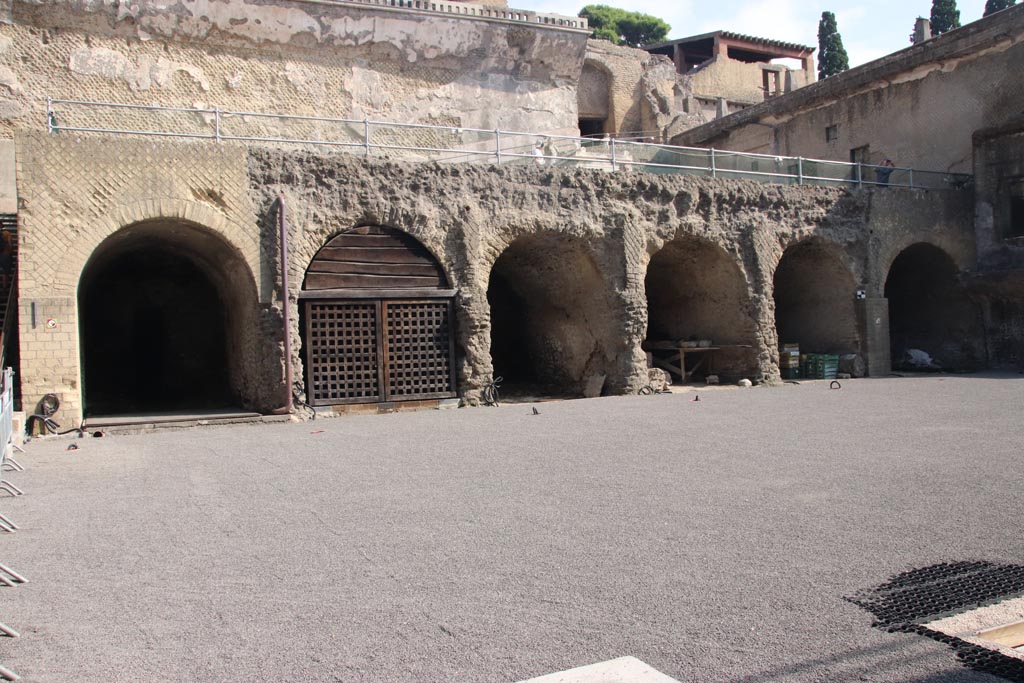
(285, 308)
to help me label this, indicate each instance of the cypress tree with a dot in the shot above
(831, 54)
(945, 16)
(997, 5)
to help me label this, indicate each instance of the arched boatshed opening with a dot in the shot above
(162, 321)
(377, 321)
(930, 311)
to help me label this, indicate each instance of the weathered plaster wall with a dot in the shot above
(285, 57)
(739, 81)
(924, 119)
(919, 106)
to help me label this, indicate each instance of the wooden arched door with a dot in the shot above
(378, 321)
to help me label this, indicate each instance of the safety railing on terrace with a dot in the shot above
(440, 144)
(478, 11)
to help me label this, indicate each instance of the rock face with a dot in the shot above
(853, 365)
(596, 256)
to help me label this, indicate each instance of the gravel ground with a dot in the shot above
(714, 540)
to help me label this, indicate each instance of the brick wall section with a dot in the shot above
(625, 69)
(74, 193)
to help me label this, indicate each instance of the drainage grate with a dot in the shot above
(922, 595)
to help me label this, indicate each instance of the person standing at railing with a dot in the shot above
(883, 172)
(538, 153)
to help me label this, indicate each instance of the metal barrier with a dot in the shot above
(6, 434)
(440, 144)
(8, 576)
(479, 12)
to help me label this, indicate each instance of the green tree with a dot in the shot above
(623, 27)
(832, 57)
(945, 16)
(997, 5)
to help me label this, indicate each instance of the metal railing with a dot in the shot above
(480, 12)
(442, 144)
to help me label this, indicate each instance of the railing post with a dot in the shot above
(860, 175)
(800, 170)
(49, 115)
(366, 136)
(714, 170)
(497, 146)
(216, 124)
(911, 178)
(612, 146)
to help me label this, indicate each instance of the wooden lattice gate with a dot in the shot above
(375, 328)
(365, 352)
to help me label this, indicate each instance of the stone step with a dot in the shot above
(620, 670)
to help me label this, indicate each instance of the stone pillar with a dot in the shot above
(721, 108)
(873, 321)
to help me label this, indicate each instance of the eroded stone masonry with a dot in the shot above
(556, 276)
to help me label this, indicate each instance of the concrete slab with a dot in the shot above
(621, 670)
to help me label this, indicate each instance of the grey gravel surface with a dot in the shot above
(714, 540)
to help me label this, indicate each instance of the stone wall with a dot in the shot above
(738, 81)
(290, 57)
(645, 96)
(79, 197)
(998, 279)
(472, 215)
(214, 203)
(998, 161)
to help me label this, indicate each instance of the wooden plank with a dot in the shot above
(373, 255)
(350, 268)
(382, 350)
(350, 240)
(344, 294)
(452, 380)
(1010, 635)
(339, 281)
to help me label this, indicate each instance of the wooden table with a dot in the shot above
(677, 354)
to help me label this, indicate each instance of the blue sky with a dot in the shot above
(870, 28)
